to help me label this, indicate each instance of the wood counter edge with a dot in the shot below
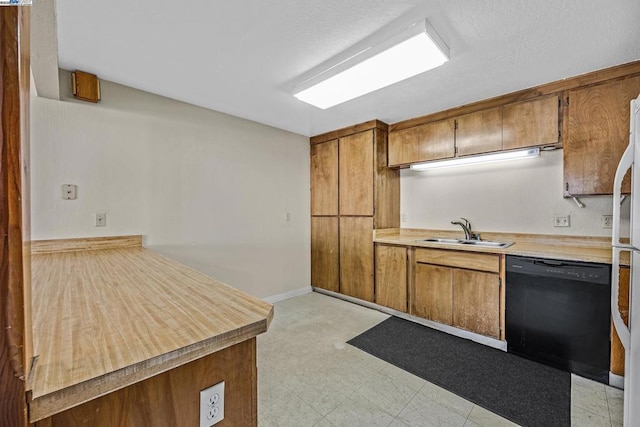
(45, 406)
(50, 404)
(546, 239)
(572, 248)
(85, 244)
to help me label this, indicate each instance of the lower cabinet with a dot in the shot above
(325, 267)
(476, 302)
(356, 257)
(172, 397)
(433, 295)
(391, 276)
(446, 292)
(342, 255)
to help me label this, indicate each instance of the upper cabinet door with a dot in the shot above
(531, 123)
(431, 141)
(356, 174)
(324, 178)
(479, 132)
(597, 134)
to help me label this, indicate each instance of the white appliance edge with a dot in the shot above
(629, 336)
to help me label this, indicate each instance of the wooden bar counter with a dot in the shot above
(124, 336)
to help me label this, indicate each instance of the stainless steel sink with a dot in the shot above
(436, 240)
(487, 243)
(482, 243)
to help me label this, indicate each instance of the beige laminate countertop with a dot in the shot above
(108, 313)
(574, 248)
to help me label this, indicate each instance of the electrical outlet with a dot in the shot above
(562, 220)
(403, 217)
(212, 405)
(287, 216)
(69, 192)
(606, 221)
(101, 219)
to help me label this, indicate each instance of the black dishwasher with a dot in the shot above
(559, 313)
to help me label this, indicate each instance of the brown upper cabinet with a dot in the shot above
(531, 123)
(431, 141)
(356, 174)
(597, 133)
(324, 178)
(587, 115)
(349, 176)
(479, 132)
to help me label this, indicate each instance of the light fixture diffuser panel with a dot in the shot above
(408, 58)
(481, 159)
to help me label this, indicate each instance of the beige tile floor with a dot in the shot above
(308, 376)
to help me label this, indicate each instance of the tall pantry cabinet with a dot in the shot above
(352, 193)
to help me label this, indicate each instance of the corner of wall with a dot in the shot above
(44, 49)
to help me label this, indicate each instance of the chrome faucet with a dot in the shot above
(466, 226)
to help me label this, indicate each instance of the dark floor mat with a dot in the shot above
(526, 392)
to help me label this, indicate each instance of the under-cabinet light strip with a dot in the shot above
(472, 160)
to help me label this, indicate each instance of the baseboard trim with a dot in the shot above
(289, 294)
(480, 339)
(616, 381)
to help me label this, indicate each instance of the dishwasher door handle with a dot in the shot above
(553, 264)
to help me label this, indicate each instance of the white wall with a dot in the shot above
(520, 196)
(104, 153)
(208, 189)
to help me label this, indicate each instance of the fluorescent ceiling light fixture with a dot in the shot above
(374, 64)
(472, 160)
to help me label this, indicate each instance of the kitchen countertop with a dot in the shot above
(108, 313)
(573, 248)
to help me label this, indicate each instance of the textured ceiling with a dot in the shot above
(240, 57)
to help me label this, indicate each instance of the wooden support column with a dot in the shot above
(15, 302)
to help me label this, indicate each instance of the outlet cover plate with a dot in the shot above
(212, 405)
(562, 220)
(606, 221)
(69, 191)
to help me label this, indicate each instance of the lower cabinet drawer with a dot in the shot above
(460, 259)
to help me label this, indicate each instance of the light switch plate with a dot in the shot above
(101, 219)
(212, 405)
